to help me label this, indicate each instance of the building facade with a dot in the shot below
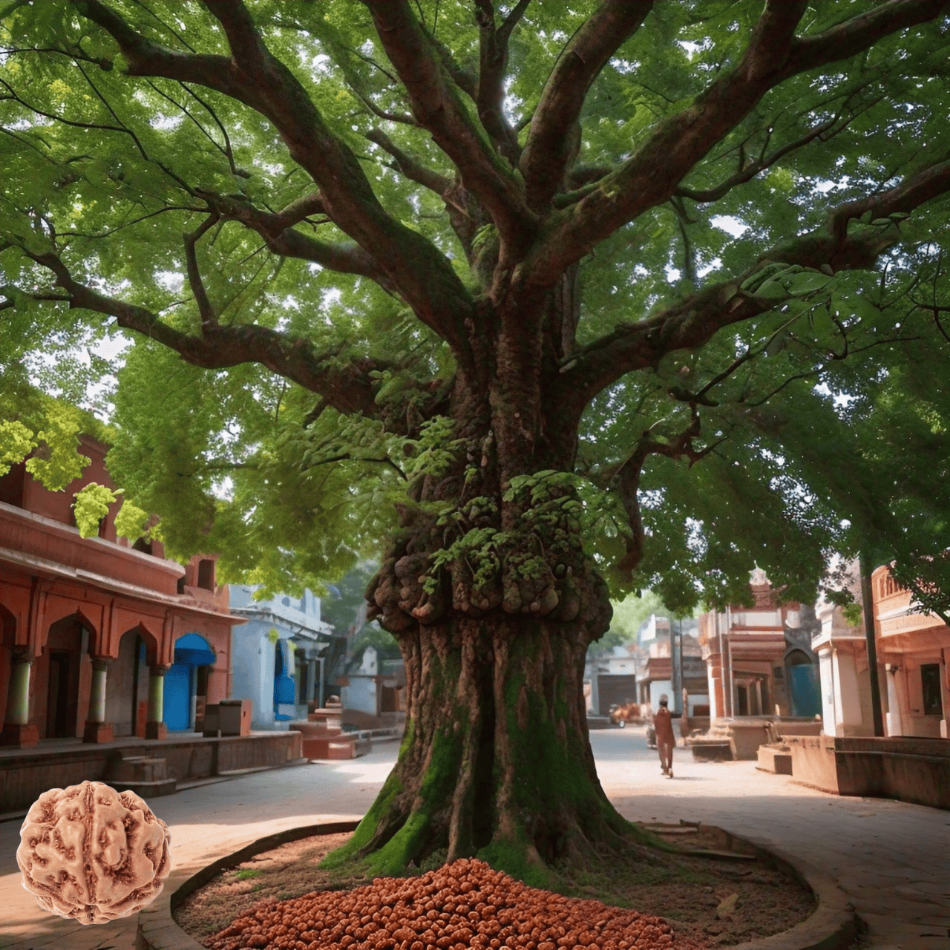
(642, 672)
(758, 660)
(664, 643)
(913, 662)
(278, 655)
(377, 689)
(99, 638)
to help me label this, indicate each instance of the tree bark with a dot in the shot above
(494, 604)
(496, 760)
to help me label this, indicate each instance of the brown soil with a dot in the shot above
(712, 901)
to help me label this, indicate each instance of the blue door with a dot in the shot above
(178, 697)
(191, 651)
(806, 694)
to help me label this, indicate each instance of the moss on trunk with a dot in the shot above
(496, 761)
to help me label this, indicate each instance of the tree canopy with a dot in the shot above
(750, 203)
(540, 292)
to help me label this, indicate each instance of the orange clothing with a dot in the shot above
(663, 723)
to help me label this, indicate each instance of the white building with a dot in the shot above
(277, 659)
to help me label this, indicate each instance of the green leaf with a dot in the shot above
(91, 505)
(772, 289)
(807, 283)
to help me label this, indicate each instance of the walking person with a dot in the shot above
(665, 740)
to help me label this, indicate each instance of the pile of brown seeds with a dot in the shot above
(459, 906)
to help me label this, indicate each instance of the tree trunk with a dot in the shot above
(494, 603)
(496, 760)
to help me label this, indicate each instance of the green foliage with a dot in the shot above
(91, 505)
(16, 442)
(132, 522)
(823, 420)
(629, 614)
(372, 635)
(853, 614)
(435, 450)
(42, 432)
(58, 463)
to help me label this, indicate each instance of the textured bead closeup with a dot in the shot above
(93, 854)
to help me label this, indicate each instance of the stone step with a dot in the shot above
(316, 747)
(707, 750)
(775, 758)
(314, 730)
(145, 789)
(139, 768)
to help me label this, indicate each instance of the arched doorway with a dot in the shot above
(127, 685)
(186, 681)
(58, 679)
(804, 688)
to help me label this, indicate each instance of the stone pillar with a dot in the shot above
(155, 727)
(311, 680)
(217, 684)
(847, 687)
(97, 729)
(895, 700)
(17, 728)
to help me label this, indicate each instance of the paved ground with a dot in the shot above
(892, 859)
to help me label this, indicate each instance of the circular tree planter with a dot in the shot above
(832, 926)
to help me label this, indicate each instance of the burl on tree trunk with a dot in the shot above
(496, 760)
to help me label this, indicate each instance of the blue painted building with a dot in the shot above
(277, 656)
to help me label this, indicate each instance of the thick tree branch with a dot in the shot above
(553, 138)
(627, 478)
(493, 62)
(209, 318)
(253, 76)
(281, 237)
(350, 389)
(655, 170)
(692, 322)
(860, 33)
(465, 79)
(749, 170)
(409, 167)
(437, 107)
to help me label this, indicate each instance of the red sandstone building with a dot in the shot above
(99, 638)
(913, 654)
(754, 667)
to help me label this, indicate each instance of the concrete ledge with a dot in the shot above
(776, 759)
(832, 926)
(26, 773)
(909, 769)
(711, 750)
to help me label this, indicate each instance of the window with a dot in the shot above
(930, 689)
(889, 586)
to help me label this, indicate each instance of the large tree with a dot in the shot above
(580, 290)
